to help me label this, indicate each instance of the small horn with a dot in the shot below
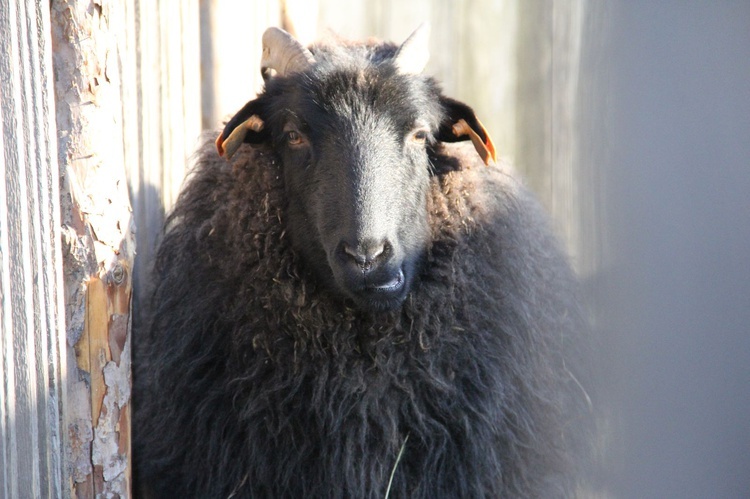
(413, 54)
(283, 53)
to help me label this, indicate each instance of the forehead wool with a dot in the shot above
(360, 80)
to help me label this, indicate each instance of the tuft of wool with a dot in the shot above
(253, 381)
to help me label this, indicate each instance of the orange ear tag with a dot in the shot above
(229, 146)
(485, 149)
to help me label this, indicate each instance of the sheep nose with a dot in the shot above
(367, 254)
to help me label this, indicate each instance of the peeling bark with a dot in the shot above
(98, 245)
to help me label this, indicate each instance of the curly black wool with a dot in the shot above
(253, 382)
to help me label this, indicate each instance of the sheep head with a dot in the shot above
(353, 126)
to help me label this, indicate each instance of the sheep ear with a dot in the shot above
(247, 126)
(460, 123)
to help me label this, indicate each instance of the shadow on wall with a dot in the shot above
(149, 212)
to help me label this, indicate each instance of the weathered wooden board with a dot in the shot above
(31, 300)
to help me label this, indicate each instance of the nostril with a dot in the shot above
(366, 253)
(356, 255)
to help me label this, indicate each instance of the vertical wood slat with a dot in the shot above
(230, 40)
(566, 193)
(30, 259)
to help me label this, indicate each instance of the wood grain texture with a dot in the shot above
(30, 260)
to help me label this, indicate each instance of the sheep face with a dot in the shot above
(354, 147)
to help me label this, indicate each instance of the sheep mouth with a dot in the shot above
(391, 286)
(382, 296)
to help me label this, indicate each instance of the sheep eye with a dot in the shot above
(419, 136)
(294, 138)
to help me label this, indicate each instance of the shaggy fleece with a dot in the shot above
(251, 381)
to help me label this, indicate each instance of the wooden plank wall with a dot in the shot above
(31, 297)
(161, 88)
(118, 122)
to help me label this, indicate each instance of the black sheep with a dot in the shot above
(356, 306)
